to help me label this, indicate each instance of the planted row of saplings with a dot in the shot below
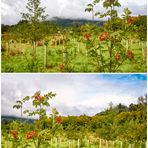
(85, 143)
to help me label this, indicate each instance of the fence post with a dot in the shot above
(78, 143)
(60, 141)
(129, 146)
(113, 143)
(106, 144)
(45, 56)
(121, 144)
(88, 142)
(56, 142)
(73, 142)
(100, 143)
(68, 142)
(51, 141)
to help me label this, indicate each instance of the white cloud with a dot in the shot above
(76, 93)
(63, 8)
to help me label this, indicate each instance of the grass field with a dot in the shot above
(20, 59)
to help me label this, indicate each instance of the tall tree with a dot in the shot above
(34, 17)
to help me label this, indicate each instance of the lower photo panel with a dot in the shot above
(73, 110)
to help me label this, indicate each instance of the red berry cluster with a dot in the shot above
(86, 36)
(58, 119)
(118, 57)
(14, 134)
(62, 67)
(130, 54)
(31, 134)
(103, 36)
(39, 98)
(130, 20)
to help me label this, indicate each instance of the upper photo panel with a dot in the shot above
(91, 36)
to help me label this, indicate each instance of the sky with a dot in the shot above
(11, 9)
(76, 94)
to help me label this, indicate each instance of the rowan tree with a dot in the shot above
(34, 17)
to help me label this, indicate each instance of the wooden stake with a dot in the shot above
(51, 141)
(56, 142)
(69, 143)
(78, 143)
(8, 47)
(45, 57)
(106, 144)
(73, 142)
(121, 144)
(100, 143)
(113, 143)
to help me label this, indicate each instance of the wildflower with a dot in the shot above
(62, 67)
(14, 134)
(31, 134)
(103, 36)
(86, 36)
(130, 54)
(58, 120)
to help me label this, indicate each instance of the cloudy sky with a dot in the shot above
(77, 94)
(11, 9)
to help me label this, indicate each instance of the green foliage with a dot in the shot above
(125, 34)
(116, 123)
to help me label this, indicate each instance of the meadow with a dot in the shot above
(72, 56)
(36, 44)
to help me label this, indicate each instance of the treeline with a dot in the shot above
(58, 22)
(118, 122)
(140, 23)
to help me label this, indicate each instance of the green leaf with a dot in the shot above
(90, 5)
(88, 9)
(19, 102)
(26, 99)
(26, 111)
(17, 106)
(96, 1)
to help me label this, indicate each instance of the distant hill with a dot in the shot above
(6, 119)
(65, 22)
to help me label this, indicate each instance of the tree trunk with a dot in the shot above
(21, 113)
(92, 14)
(34, 50)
